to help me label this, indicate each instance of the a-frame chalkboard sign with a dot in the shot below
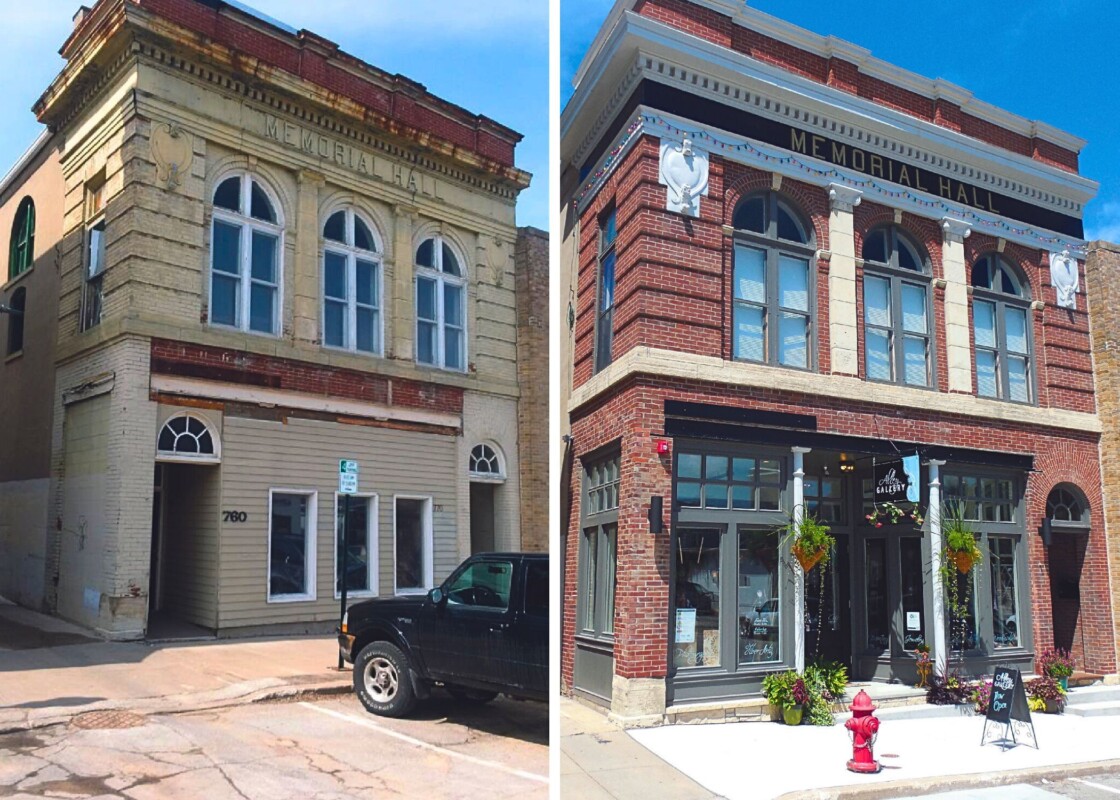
(1008, 707)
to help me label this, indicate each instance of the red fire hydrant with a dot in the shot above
(864, 729)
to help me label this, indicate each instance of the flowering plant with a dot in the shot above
(982, 696)
(892, 513)
(1055, 663)
(1043, 690)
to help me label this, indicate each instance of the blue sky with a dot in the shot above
(460, 54)
(1053, 62)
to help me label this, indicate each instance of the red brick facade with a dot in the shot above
(674, 292)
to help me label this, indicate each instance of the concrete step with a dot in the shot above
(1092, 695)
(1105, 708)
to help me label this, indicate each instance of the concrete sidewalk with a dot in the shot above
(599, 761)
(51, 671)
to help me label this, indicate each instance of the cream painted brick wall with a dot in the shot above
(488, 418)
(842, 292)
(119, 570)
(23, 540)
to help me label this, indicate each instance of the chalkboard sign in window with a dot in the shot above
(1008, 707)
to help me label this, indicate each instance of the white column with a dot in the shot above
(958, 344)
(938, 648)
(798, 574)
(842, 278)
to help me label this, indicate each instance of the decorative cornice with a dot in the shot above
(809, 170)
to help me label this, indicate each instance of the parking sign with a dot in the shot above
(347, 476)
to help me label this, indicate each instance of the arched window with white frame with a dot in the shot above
(351, 284)
(441, 339)
(1001, 302)
(486, 463)
(187, 438)
(245, 256)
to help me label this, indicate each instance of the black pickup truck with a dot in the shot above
(482, 633)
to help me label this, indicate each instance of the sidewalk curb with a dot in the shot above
(926, 786)
(237, 695)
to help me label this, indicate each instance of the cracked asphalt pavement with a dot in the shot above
(325, 749)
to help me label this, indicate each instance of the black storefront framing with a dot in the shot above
(878, 603)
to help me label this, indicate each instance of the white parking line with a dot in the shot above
(365, 723)
(1100, 786)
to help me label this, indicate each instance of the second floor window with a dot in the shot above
(773, 291)
(440, 306)
(604, 311)
(245, 257)
(896, 309)
(1001, 328)
(21, 253)
(93, 287)
(351, 284)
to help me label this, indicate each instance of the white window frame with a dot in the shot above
(487, 477)
(428, 541)
(172, 457)
(442, 279)
(372, 546)
(312, 545)
(353, 254)
(247, 225)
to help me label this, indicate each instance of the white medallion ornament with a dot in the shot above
(1064, 276)
(684, 173)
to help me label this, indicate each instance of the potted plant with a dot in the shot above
(1054, 662)
(891, 513)
(1046, 694)
(959, 539)
(787, 691)
(810, 541)
(925, 664)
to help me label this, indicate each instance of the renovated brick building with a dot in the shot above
(255, 256)
(800, 277)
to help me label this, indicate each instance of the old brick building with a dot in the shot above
(797, 272)
(254, 255)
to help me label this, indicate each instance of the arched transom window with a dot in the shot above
(486, 463)
(21, 249)
(896, 309)
(351, 284)
(773, 292)
(1064, 506)
(185, 437)
(440, 306)
(1001, 328)
(245, 256)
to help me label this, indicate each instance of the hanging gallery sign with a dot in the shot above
(897, 481)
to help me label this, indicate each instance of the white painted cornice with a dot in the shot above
(688, 366)
(692, 64)
(831, 47)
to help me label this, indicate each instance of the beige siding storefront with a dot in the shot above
(301, 456)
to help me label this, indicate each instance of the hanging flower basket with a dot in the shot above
(963, 559)
(808, 558)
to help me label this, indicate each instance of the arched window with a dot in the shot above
(486, 463)
(896, 309)
(21, 250)
(351, 284)
(245, 256)
(774, 287)
(440, 306)
(1002, 330)
(1066, 506)
(16, 311)
(186, 437)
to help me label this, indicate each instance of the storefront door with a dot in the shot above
(828, 614)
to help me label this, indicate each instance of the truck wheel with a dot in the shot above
(473, 696)
(381, 680)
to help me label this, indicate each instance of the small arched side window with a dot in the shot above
(186, 437)
(1066, 506)
(351, 284)
(896, 309)
(17, 309)
(1002, 330)
(774, 296)
(21, 249)
(486, 463)
(245, 273)
(440, 306)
